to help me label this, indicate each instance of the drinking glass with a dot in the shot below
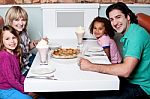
(43, 51)
(81, 53)
(80, 37)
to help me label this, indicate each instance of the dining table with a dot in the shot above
(65, 75)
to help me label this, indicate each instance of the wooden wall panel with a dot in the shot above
(36, 1)
(19, 1)
(9, 1)
(72, 1)
(27, 1)
(2, 1)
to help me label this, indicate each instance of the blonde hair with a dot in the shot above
(16, 12)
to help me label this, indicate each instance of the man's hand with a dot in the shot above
(85, 64)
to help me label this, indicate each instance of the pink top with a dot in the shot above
(105, 41)
(10, 75)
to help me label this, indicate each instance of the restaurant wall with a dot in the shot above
(35, 15)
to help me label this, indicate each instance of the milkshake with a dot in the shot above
(80, 34)
(43, 48)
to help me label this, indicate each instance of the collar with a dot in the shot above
(128, 32)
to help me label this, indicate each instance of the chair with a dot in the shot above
(144, 21)
(1, 22)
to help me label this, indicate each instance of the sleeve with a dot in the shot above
(22, 79)
(104, 41)
(9, 75)
(28, 38)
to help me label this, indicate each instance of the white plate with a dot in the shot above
(44, 70)
(66, 61)
(95, 49)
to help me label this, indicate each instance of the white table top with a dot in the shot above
(70, 77)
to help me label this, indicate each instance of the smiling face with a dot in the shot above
(19, 24)
(98, 29)
(9, 40)
(17, 17)
(118, 21)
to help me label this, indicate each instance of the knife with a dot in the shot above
(43, 77)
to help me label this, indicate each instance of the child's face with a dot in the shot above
(19, 24)
(99, 29)
(10, 41)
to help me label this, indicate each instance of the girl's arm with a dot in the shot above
(33, 44)
(22, 79)
(107, 51)
(104, 42)
(8, 72)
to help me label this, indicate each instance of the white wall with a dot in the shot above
(55, 18)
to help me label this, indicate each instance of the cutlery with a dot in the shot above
(95, 51)
(89, 39)
(43, 77)
(89, 55)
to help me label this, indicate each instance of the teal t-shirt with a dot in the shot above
(136, 43)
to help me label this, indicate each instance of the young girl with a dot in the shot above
(17, 17)
(11, 79)
(103, 31)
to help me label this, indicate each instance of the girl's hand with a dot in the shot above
(46, 39)
(33, 44)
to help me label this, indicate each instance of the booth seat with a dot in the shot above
(144, 20)
(1, 22)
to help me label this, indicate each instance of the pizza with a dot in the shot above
(65, 53)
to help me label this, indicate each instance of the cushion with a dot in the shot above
(144, 20)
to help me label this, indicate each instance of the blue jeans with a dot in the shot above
(126, 91)
(13, 94)
(25, 70)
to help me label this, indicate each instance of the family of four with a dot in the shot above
(133, 70)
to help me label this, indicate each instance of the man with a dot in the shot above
(136, 53)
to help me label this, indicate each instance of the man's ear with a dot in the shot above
(128, 17)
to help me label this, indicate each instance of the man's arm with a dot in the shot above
(123, 69)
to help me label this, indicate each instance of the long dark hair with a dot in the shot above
(124, 9)
(108, 28)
